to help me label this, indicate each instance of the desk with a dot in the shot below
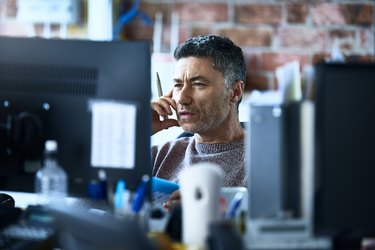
(270, 242)
(23, 199)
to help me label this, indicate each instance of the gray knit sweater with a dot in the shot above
(172, 157)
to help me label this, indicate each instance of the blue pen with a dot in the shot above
(120, 189)
(140, 194)
(234, 205)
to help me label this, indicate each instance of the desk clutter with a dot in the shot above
(132, 221)
(89, 224)
(40, 227)
(76, 223)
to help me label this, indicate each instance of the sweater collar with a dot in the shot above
(208, 148)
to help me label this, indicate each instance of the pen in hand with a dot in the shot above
(160, 91)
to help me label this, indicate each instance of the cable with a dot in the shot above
(128, 16)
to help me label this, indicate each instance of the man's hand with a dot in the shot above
(174, 198)
(161, 107)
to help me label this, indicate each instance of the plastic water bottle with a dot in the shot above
(51, 179)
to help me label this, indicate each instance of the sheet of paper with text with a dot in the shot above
(113, 134)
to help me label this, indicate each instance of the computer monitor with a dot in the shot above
(92, 97)
(344, 201)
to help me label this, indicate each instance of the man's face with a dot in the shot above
(203, 102)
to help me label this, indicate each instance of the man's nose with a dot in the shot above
(184, 96)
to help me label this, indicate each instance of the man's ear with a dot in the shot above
(237, 91)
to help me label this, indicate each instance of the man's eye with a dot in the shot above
(178, 85)
(198, 84)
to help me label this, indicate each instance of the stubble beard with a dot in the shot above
(210, 117)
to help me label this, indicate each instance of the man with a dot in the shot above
(209, 78)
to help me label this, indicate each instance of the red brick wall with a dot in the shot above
(272, 32)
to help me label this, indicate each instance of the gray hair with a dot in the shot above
(226, 56)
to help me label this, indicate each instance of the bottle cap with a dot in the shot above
(51, 145)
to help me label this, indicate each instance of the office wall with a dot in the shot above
(271, 32)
